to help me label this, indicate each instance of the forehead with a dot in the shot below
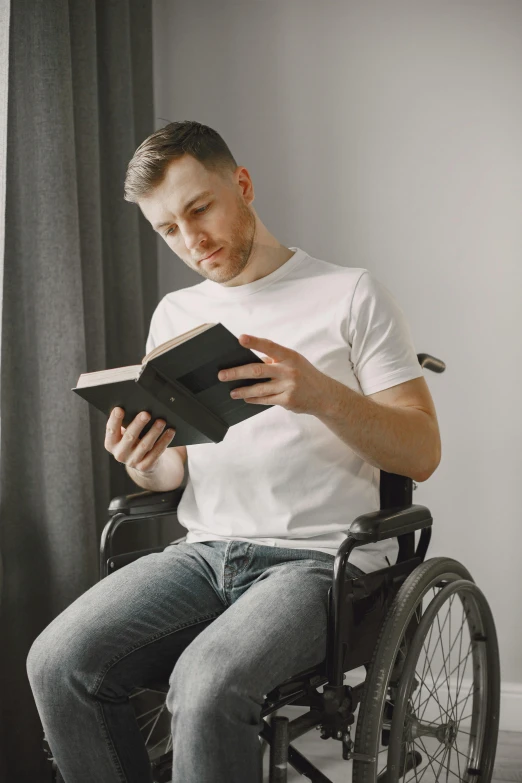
(184, 179)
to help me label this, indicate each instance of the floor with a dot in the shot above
(508, 763)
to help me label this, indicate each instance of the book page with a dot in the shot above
(181, 338)
(113, 375)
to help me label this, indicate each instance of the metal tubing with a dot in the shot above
(302, 724)
(335, 667)
(279, 750)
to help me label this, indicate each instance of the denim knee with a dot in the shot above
(205, 685)
(44, 660)
(51, 663)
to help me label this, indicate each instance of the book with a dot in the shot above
(178, 381)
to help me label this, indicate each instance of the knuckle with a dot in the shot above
(145, 465)
(258, 370)
(142, 452)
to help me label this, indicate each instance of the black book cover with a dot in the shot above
(181, 386)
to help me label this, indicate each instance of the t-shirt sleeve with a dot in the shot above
(382, 349)
(150, 344)
(152, 339)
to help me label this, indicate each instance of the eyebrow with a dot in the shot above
(187, 206)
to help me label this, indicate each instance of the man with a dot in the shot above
(241, 605)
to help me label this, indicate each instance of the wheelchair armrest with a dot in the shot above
(389, 523)
(146, 502)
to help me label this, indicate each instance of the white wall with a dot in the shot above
(388, 136)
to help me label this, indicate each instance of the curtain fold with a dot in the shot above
(5, 9)
(79, 288)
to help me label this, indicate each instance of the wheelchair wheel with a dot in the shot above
(431, 698)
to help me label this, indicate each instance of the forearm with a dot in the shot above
(398, 440)
(168, 475)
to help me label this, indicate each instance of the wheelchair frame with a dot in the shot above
(357, 608)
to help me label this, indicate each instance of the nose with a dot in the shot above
(193, 242)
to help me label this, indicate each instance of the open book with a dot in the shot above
(178, 381)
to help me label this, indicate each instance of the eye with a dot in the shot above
(197, 211)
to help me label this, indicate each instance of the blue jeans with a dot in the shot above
(222, 622)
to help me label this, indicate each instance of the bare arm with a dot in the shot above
(395, 430)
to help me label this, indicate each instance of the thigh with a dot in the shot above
(133, 624)
(275, 630)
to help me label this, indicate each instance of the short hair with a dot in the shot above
(150, 161)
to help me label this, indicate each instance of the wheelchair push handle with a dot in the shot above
(431, 362)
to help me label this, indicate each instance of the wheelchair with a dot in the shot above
(428, 703)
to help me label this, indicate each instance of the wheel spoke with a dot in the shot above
(426, 700)
(441, 766)
(460, 658)
(449, 653)
(432, 692)
(471, 688)
(426, 659)
(435, 680)
(461, 681)
(435, 757)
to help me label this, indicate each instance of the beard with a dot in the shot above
(234, 259)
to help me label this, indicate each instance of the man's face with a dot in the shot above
(219, 221)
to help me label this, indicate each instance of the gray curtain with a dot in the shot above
(79, 288)
(5, 7)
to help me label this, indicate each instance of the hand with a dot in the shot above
(296, 384)
(125, 446)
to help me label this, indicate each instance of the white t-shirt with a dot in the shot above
(281, 478)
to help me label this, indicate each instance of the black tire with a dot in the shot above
(394, 652)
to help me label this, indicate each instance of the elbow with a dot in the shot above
(420, 477)
(430, 470)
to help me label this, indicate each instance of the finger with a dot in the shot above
(274, 350)
(148, 462)
(142, 447)
(113, 428)
(130, 437)
(248, 371)
(256, 390)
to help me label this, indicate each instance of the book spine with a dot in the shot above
(183, 403)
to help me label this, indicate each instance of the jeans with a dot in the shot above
(223, 622)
